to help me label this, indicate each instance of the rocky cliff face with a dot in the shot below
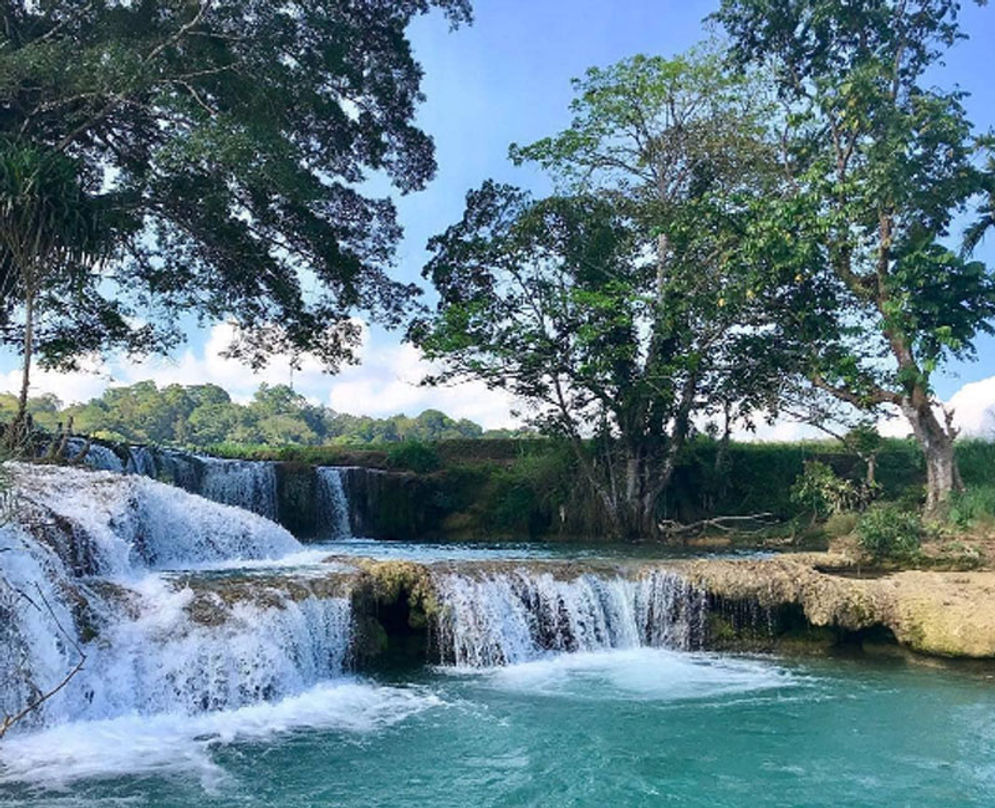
(949, 614)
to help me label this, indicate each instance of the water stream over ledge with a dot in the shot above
(225, 668)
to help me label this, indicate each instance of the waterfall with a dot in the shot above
(244, 483)
(97, 455)
(141, 460)
(179, 468)
(108, 524)
(76, 574)
(162, 658)
(155, 648)
(507, 617)
(331, 504)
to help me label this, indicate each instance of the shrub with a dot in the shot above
(887, 531)
(975, 505)
(413, 456)
(821, 491)
(841, 524)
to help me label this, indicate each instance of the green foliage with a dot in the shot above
(412, 455)
(524, 496)
(841, 524)
(974, 506)
(888, 531)
(878, 161)
(618, 306)
(201, 416)
(233, 136)
(820, 491)
(976, 461)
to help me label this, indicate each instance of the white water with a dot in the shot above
(245, 484)
(178, 657)
(643, 673)
(172, 743)
(510, 617)
(332, 504)
(82, 565)
(123, 524)
(97, 455)
(163, 660)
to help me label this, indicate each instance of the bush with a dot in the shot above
(887, 531)
(820, 491)
(413, 456)
(976, 461)
(975, 505)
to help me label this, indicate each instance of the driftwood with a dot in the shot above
(748, 524)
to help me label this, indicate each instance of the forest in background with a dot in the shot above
(204, 415)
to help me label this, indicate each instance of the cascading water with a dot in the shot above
(513, 616)
(246, 484)
(76, 578)
(141, 460)
(138, 576)
(97, 455)
(332, 504)
(167, 660)
(243, 483)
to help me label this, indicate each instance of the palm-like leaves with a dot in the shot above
(51, 233)
(49, 225)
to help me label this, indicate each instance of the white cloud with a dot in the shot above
(69, 387)
(386, 382)
(974, 408)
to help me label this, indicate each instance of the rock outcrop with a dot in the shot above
(950, 614)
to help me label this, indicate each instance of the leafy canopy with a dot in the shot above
(878, 162)
(234, 136)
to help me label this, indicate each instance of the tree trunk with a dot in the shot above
(942, 476)
(18, 431)
(645, 478)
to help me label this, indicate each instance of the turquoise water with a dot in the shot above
(427, 552)
(635, 727)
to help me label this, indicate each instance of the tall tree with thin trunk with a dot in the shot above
(51, 235)
(877, 162)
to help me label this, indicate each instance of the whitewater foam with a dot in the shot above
(651, 674)
(132, 522)
(173, 743)
(498, 618)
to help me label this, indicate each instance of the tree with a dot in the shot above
(876, 163)
(233, 135)
(51, 235)
(616, 309)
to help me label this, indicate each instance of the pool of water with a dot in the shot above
(634, 727)
(510, 550)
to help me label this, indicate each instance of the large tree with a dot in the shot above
(877, 163)
(616, 308)
(234, 136)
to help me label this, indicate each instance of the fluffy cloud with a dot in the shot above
(974, 408)
(386, 382)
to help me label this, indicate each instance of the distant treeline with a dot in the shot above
(204, 415)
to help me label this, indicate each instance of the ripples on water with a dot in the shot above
(630, 726)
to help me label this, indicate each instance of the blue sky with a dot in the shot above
(507, 79)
